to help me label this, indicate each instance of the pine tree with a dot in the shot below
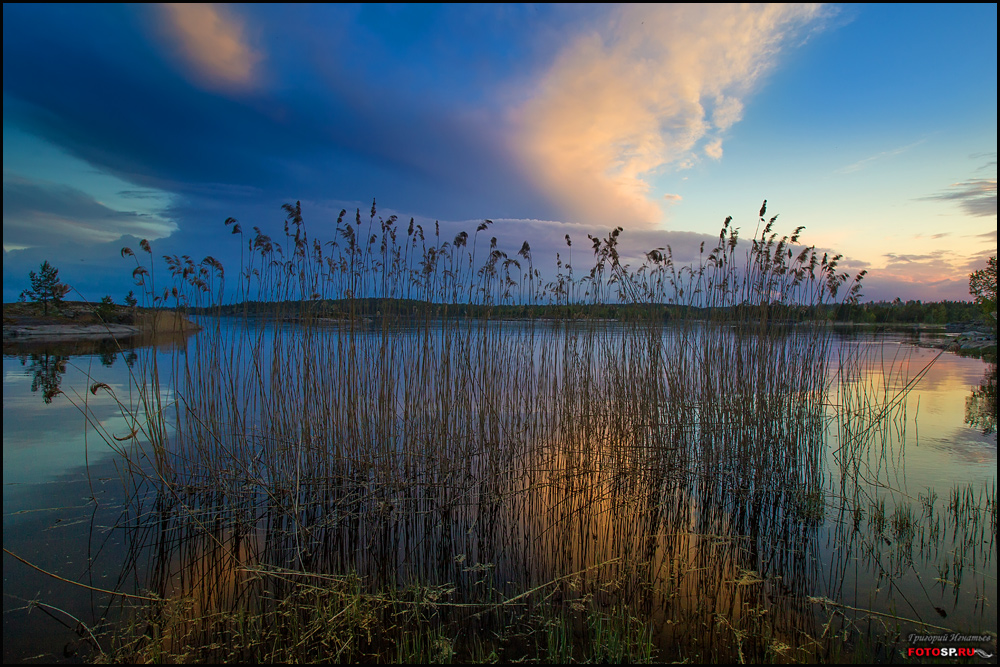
(45, 287)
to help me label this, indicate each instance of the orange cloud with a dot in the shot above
(933, 269)
(210, 40)
(639, 95)
(713, 149)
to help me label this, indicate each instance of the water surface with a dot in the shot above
(864, 513)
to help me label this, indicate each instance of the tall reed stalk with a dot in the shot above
(366, 433)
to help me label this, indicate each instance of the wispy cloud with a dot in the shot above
(37, 214)
(141, 194)
(868, 161)
(212, 42)
(640, 95)
(937, 273)
(927, 277)
(989, 163)
(977, 196)
(936, 258)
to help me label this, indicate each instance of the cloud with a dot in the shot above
(861, 164)
(44, 214)
(977, 196)
(728, 111)
(338, 134)
(91, 275)
(212, 43)
(879, 286)
(989, 164)
(933, 276)
(635, 97)
(140, 194)
(713, 149)
(672, 197)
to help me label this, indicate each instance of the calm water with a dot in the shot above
(65, 508)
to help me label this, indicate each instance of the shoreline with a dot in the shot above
(61, 333)
(78, 323)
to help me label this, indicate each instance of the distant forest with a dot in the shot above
(881, 312)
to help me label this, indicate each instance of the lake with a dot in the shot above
(801, 495)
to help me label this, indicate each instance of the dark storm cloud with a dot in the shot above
(118, 104)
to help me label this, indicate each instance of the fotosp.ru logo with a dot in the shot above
(946, 652)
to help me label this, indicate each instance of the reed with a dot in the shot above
(377, 466)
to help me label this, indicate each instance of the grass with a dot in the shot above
(431, 489)
(333, 619)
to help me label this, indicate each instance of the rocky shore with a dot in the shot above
(970, 340)
(58, 333)
(975, 340)
(29, 325)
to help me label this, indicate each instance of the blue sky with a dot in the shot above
(872, 125)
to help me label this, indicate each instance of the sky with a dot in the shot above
(874, 126)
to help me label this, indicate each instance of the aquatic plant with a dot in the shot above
(364, 459)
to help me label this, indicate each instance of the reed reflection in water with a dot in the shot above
(711, 478)
(507, 469)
